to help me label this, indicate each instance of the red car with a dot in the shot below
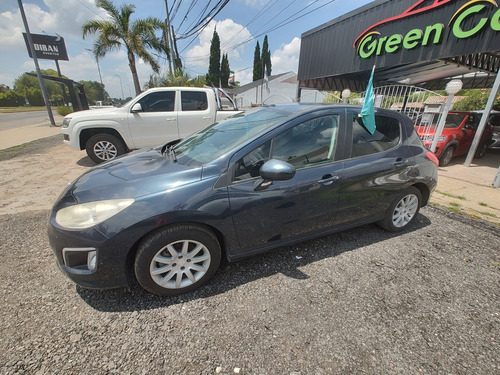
(457, 136)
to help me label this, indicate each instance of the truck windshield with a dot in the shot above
(212, 142)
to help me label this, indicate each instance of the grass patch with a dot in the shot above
(460, 197)
(454, 207)
(488, 214)
(483, 204)
(22, 109)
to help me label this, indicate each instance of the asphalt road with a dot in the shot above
(364, 301)
(18, 119)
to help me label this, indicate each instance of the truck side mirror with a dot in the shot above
(137, 107)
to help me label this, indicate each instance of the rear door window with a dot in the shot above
(194, 100)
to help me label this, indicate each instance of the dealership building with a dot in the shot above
(411, 43)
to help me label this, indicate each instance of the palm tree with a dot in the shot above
(178, 78)
(136, 36)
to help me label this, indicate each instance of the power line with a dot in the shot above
(282, 23)
(265, 8)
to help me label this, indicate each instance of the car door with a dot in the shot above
(376, 166)
(468, 129)
(156, 122)
(195, 112)
(297, 207)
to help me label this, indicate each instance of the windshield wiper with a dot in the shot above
(169, 147)
(171, 154)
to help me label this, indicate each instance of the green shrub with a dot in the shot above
(63, 110)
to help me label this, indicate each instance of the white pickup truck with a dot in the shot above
(152, 118)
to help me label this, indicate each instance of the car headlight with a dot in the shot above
(66, 122)
(86, 215)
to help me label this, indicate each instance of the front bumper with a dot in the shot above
(90, 259)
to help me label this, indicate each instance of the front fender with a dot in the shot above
(83, 130)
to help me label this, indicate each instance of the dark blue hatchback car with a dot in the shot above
(265, 178)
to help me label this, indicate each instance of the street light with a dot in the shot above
(123, 96)
(454, 86)
(346, 93)
(99, 70)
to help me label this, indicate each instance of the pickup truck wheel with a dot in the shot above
(104, 147)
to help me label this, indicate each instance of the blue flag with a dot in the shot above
(368, 110)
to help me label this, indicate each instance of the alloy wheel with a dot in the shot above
(405, 210)
(105, 150)
(180, 264)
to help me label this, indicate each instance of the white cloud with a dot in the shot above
(231, 35)
(62, 17)
(286, 58)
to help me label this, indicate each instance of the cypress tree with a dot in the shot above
(224, 71)
(257, 64)
(266, 57)
(213, 75)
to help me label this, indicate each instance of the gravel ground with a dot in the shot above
(364, 301)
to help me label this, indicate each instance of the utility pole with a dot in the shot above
(37, 67)
(167, 38)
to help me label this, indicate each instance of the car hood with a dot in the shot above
(92, 113)
(132, 176)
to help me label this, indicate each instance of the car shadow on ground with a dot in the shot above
(286, 260)
(86, 162)
(490, 159)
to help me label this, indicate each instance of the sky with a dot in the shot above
(240, 25)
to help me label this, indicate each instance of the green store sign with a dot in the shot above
(468, 21)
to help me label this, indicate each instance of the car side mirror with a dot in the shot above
(137, 107)
(274, 170)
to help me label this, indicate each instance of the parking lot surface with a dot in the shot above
(425, 301)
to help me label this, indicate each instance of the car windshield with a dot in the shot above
(453, 120)
(215, 140)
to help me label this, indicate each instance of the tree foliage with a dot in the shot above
(225, 71)
(266, 57)
(257, 64)
(27, 87)
(137, 36)
(213, 76)
(475, 100)
(178, 79)
(94, 91)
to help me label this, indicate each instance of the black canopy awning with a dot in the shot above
(415, 42)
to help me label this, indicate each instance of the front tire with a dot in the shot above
(104, 147)
(446, 156)
(402, 211)
(177, 259)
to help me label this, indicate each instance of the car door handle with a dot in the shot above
(207, 118)
(328, 179)
(400, 161)
(171, 119)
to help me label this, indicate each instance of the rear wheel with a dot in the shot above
(481, 150)
(177, 259)
(103, 147)
(446, 156)
(402, 211)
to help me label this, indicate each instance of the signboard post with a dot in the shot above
(38, 73)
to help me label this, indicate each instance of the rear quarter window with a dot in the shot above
(386, 136)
